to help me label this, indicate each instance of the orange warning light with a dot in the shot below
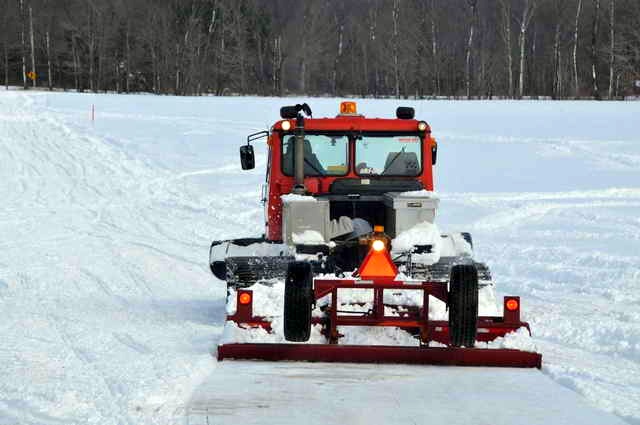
(348, 108)
(512, 304)
(245, 298)
(377, 245)
(378, 265)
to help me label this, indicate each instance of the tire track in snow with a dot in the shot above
(573, 258)
(94, 227)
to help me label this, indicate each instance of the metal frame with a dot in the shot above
(413, 319)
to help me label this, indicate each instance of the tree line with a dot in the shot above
(400, 48)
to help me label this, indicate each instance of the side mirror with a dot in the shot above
(434, 154)
(247, 158)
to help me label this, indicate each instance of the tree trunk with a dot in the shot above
(91, 43)
(117, 71)
(575, 49)
(177, 72)
(396, 66)
(473, 7)
(527, 14)
(594, 50)
(219, 69)
(33, 48)
(365, 69)
(534, 77)
(100, 42)
(561, 80)
(373, 30)
(6, 66)
(338, 57)
(23, 47)
(276, 63)
(74, 56)
(612, 44)
(506, 17)
(210, 31)
(434, 53)
(49, 70)
(303, 49)
(556, 63)
(522, 40)
(127, 60)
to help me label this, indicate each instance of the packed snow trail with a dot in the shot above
(294, 393)
(110, 315)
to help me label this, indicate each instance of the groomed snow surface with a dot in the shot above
(109, 314)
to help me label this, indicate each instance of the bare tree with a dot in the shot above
(276, 64)
(612, 44)
(594, 49)
(527, 13)
(373, 31)
(23, 47)
(34, 78)
(434, 50)
(5, 42)
(473, 11)
(395, 40)
(506, 36)
(575, 49)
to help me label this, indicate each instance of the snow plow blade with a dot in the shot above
(445, 356)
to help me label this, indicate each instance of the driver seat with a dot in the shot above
(401, 164)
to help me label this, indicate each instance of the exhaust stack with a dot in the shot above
(299, 188)
(289, 112)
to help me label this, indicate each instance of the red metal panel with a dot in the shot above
(279, 184)
(381, 354)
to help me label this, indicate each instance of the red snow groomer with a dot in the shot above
(351, 197)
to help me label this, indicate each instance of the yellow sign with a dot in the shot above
(31, 75)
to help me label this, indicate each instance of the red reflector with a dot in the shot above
(378, 265)
(512, 304)
(244, 298)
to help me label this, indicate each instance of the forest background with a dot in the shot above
(370, 48)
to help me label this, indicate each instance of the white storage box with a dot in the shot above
(405, 210)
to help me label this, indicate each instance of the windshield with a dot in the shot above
(399, 155)
(324, 155)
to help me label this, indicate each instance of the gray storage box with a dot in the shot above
(304, 213)
(405, 211)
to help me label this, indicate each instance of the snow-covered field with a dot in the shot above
(109, 314)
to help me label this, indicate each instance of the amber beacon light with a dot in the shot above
(348, 108)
